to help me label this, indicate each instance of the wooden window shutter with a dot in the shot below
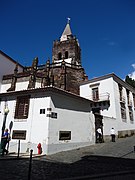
(22, 107)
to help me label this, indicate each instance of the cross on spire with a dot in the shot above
(68, 20)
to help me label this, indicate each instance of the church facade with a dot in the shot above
(44, 103)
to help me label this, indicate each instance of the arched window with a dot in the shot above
(59, 56)
(66, 55)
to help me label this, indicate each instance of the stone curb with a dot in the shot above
(13, 156)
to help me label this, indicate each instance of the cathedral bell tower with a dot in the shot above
(67, 48)
(68, 72)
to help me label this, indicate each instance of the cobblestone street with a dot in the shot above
(101, 161)
(94, 166)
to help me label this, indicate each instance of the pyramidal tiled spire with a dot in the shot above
(66, 32)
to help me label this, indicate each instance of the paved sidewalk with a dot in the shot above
(122, 148)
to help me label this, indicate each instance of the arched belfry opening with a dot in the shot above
(59, 56)
(66, 55)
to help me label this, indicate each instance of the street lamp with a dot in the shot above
(6, 111)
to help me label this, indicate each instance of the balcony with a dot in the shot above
(101, 97)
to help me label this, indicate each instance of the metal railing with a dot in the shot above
(100, 97)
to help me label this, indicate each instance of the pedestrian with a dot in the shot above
(99, 134)
(112, 135)
(4, 141)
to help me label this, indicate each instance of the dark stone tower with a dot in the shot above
(66, 62)
(67, 48)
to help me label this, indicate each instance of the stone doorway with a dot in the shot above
(98, 123)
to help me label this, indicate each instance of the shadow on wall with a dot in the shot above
(70, 103)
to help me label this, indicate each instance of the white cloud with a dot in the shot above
(132, 75)
(133, 65)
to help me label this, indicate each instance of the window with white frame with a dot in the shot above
(131, 114)
(128, 99)
(95, 93)
(121, 92)
(123, 112)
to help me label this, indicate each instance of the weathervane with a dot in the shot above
(68, 20)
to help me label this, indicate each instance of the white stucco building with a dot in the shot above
(55, 118)
(114, 99)
(43, 101)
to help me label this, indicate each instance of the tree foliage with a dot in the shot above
(130, 81)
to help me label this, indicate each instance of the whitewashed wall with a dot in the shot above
(22, 85)
(19, 86)
(5, 87)
(105, 86)
(18, 124)
(39, 123)
(36, 124)
(72, 115)
(112, 115)
(38, 85)
(109, 123)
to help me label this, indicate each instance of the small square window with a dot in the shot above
(48, 115)
(42, 111)
(54, 115)
(64, 135)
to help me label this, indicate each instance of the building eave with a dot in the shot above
(43, 90)
(115, 78)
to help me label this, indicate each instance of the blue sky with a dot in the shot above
(105, 30)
